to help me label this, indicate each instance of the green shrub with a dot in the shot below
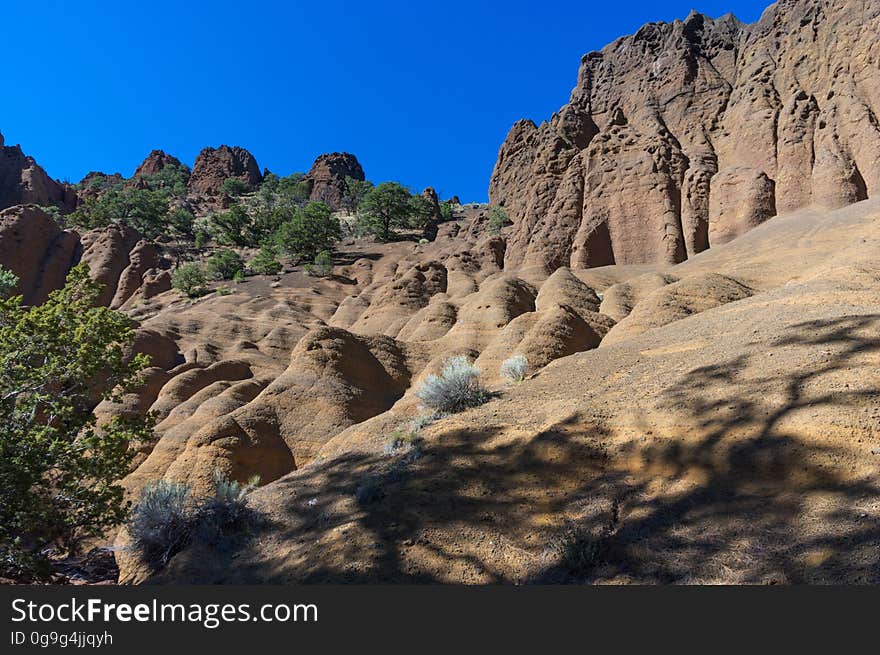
(579, 552)
(201, 238)
(171, 180)
(232, 227)
(99, 182)
(322, 266)
(294, 189)
(143, 209)
(457, 387)
(58, 467)
(421, 212)
(354, 192)
(190, 279)
(313, 229)
(385, 208)
(8, 282)
(226, 514)
(497, 220)
(224, 264)
(180, 222)
(447, 211)
(265, 262)
(234, 187)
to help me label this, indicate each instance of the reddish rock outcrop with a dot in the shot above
(154, 163)
(686, 134)
(327, 177)
(214, 165)
(23, 181)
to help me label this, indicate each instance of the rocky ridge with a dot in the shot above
(687, 134)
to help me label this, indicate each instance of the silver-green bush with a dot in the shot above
(457, 387)
(515, 368)
(166, 519)
(161, 524)
(227, 511)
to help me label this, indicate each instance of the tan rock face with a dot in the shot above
(214, 165)
(689, 133)
(38, 251)
(741, 199)
(41, 254)
(327, 177)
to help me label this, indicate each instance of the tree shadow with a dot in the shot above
(741, 497)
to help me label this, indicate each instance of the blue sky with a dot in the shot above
(422, 93)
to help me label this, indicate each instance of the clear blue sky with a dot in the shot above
(421, 93)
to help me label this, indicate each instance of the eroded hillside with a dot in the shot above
(690, 273)
(733, 441)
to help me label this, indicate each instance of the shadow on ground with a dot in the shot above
(742, 497)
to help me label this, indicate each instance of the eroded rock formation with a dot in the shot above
(154, 163)
(689, 133)
(23, 181)
(213, 166)
(327, 177)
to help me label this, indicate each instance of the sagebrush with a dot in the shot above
(161, 524)
(167, 518)
(515, 368)
(457, 388)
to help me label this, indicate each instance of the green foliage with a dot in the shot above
(265, 262)
(58, 468)
(312, 229)
(226, 513)
(354, 193)
(98, 183)
(180, 222)
(224, 264)
(421, 211)
(266, 219)
(201, 238)
(387, 207)
(190, 279)
(403, 438)
(239, 276)
(323, 264)
(143, 209)
(8, 282)
(447, 211)
(55, 212)
(294, 189)
(268, 187)
(233, 227)
(234, 187)
(498, 219)
(170, 181)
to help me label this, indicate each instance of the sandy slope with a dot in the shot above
(740, 444)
